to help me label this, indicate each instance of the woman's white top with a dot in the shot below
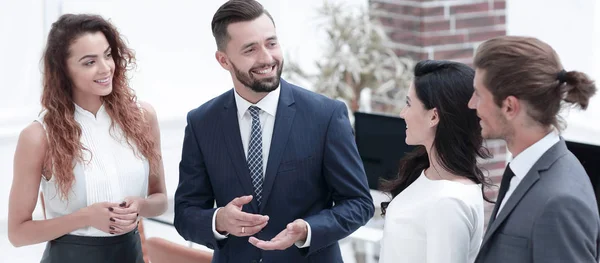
(433, 221)
(109, 174)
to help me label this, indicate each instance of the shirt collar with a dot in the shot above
(83, 112)
(522, 163)
(267, 104)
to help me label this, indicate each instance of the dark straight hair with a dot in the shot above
(446, 86)
(234, 11)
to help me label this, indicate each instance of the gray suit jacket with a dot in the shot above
(552, 216)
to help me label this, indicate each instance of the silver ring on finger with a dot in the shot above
(243, 230)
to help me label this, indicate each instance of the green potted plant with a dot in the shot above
(357, 60)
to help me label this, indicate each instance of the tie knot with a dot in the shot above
(254, 111)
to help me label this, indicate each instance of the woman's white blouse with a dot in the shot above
(111, 170)
(433, 221)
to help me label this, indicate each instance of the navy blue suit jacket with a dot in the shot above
(314, 172)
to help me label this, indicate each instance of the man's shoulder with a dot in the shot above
(211, 106)
(311, 100)
(566, 183)
(566, 175)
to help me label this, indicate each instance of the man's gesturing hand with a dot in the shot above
(230, 219)
(295, 231)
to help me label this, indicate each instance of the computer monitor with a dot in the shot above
(381, 144)
(589, 156)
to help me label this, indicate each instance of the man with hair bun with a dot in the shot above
(546, 210)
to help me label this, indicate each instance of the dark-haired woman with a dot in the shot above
(436, 214)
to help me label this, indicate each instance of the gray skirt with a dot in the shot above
(125, 248)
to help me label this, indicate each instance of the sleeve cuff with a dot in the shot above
(306, 243)
(218, 236)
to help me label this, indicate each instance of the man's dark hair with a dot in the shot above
(234, 11)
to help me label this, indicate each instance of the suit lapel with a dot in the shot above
(512, 201)
(494, 213)
(284, 118)
(233, 143)
(544, 163)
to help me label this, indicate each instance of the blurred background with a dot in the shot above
(357, 51)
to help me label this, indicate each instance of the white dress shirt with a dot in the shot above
(522, 163)
(268, 111)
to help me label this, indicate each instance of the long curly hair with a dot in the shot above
(63, 132)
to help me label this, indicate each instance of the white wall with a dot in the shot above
(572, 28)
(22, 38)
(22, 41)
(176, 70)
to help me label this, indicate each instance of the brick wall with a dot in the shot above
(440, 29)
(450, 30)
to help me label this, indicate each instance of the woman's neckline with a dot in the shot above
(85, 112)
(444, 180)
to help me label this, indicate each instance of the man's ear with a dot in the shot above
(223, 60)
(511, 107)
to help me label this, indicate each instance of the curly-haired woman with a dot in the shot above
(94, 149)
